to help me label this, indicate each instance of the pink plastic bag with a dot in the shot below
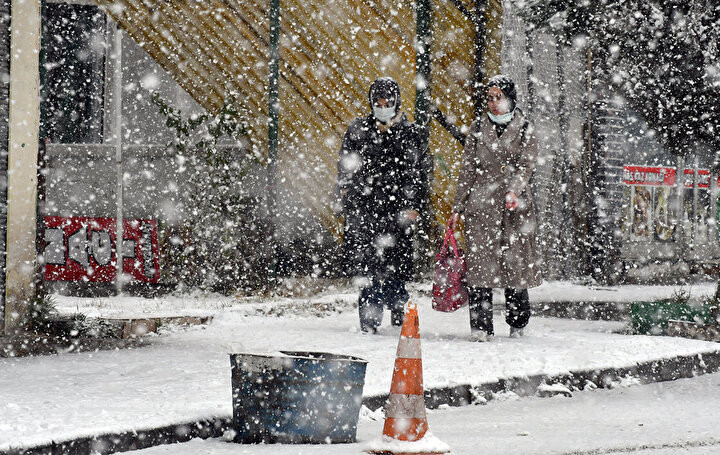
(449, 289)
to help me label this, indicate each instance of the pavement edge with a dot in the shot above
(460, 395)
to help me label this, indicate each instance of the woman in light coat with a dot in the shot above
(494, 195)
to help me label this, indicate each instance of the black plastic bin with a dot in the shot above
(296, 397)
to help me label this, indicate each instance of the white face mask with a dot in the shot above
(384, 114)
(501, 119)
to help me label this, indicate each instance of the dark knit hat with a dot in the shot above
(505, 84)
(385, 88)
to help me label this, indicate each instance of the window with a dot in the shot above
(74, 44)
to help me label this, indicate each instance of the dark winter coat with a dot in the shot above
(501, 249)
(381, 175)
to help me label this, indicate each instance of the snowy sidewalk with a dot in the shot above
(594, 302)
(561, 291)
(550, 297)
(185, 375)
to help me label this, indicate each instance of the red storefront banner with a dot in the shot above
(84, 249)
(663, 176)
(648, 175)
(703, 180)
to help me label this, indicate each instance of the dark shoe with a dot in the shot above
(481, 309)
(396, 297)
(517, 303)
(397, 319)
(371, 330)
(370, 307)
(479, 336)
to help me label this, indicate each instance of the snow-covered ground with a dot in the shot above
(185, 375)
(559, 291)
(201, 304)
(669, 418)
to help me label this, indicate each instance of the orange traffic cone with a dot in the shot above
(406, 428)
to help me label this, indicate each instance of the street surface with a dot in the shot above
(679, 417)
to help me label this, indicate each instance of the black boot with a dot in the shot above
(396, 297)
(370, 307)
(517, 303)
(481, 310)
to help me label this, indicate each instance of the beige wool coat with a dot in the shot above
(501, 247)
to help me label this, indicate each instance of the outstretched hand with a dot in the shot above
(412, 215)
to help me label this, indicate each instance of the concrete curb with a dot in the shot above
(124, 328)
(589, 311)
(129, 440)
(460, 395)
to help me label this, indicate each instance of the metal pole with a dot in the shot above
(479, 70)
(118, 161)
(585, 169)
(423, 88)
(567, 210)
(712, 225)
(588, 112)
(423, 67)
(529, 71)
(42, 169)
(273, 127)
(274, 85)
(695, 217)
(680, 240)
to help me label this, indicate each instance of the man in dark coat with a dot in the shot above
(382, 182)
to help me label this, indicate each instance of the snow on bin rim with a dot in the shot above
(263, 361)
(310, 355)
(315, 355)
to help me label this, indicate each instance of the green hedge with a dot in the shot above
(651, 318)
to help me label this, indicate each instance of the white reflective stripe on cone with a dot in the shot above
(406, 406)
(409, 348)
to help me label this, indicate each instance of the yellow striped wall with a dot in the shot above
(330, 53)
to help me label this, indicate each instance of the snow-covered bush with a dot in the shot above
(219, 245)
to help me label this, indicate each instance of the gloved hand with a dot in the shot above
(511, 201)
(453, 220)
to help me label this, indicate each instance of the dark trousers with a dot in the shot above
(517, 304)
(377, 295)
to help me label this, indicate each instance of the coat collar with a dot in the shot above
(372, 123)
(489, 136)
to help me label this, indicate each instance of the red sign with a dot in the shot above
(84, 249)
(703, 180)
(648, 175)
(663, 176)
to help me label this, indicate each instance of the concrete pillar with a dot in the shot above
(24, 121)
